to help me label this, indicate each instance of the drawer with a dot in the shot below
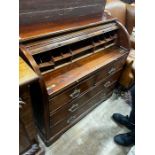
(119, 63)
(74, 92)
(71, 94)
(110, 69)
(73, 107)
(81, 112)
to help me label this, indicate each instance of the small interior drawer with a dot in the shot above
(71, 93)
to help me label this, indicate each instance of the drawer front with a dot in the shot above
(72, 108)
(72, 119)
(110, 69)
(119, 63)
(76, 91)
(71, 94)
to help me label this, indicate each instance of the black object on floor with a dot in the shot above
(128, 1)
(123, 120)
(126, 139)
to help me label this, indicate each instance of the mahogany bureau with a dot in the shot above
(78, 63)
(78, 69)
(28, 144)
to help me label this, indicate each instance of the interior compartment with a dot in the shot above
(60, 56)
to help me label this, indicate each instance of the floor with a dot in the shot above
(94, 134)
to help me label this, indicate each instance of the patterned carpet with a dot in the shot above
(94, 134)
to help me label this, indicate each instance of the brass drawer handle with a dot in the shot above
(112, 70)
(73, 108)
(71, 119)
(75, 94)
(107, 84)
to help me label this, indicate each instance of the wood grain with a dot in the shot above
(26, 74)
(37, 31)
(27, 128)
(69, 74)
(72, 71)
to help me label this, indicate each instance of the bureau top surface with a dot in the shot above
(67, 75)
(46, 29)
(26, 74)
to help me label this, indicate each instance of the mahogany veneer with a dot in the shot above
(78, 69)
(37, 18)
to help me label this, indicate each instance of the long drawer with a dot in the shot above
(81, 112)
(71, 94)
(76, 91)
(73, 107)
